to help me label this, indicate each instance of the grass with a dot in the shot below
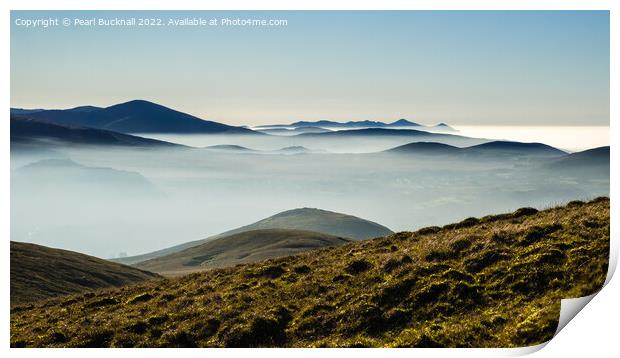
(39, 272)
(494, 281)
(246, 247)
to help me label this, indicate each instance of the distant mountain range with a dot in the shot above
(28, 132)
(307, 219)
(232, 148)
(245, 247)
(355, 124)
(137, 116)
(376, 132)
(293, 131)
(495, 148)
(39, 272)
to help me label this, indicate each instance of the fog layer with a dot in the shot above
(105, 202)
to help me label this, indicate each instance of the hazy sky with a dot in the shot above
(548, 68)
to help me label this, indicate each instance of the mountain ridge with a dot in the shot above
(28, 131)
(136, 116)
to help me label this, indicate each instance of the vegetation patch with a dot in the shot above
(494, 283)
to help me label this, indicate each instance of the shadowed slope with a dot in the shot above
(39, 272)
(30, 132)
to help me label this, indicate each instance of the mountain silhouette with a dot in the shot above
(493, 149)
(137, 116)
(351, 124)
(596, 158)
(426, 148)
(26, 132)
(508, 147)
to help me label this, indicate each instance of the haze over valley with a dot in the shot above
(107, 191)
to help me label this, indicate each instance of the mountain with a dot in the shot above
(26, 132)
(307, 219)
(426, 148)
(494, 281)
(498, 149)
(136, 116)
(374, 132)
(44, 178)
(403, 123)
(507, 147)
(295, 149)
(442, 127)
(587, 159)
(229, 148)
(23, 111)
(245, 247)
(84, 109)
(592, 163)
(39, 272)
(293, 131)
(351, 124)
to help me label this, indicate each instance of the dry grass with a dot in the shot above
(39, 272)
(490, 282)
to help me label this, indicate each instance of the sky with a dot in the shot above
(461, 67)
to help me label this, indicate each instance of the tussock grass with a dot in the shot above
(494, 281)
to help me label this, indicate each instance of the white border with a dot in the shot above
(592, 332)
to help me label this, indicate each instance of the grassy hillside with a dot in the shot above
(308, 219)
(39, 272)
(245, 247)
(496, 281)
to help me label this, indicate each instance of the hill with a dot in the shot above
(350, 124)
(585, 160)
(245, 247)
(425, 148)
(498, 149)
(293, 131)
(494, 281)
(296, 149)
(374, 132)
(137, 116)
(44, 178)
(28, 133)
(508, 147)
(229, 148)
(39, 272)
(308, 219)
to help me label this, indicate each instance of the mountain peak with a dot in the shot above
(403, 122)
(135, 116)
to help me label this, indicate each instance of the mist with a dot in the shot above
(105, 202)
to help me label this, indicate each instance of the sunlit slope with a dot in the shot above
(245, 247)
(496, 281)
(39, 272)
(308, 219)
